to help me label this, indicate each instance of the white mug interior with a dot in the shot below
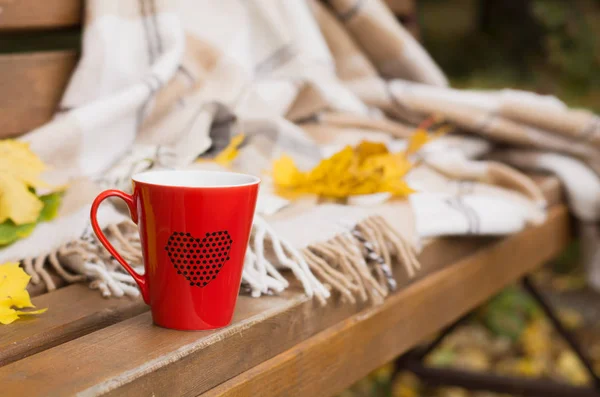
(195, 178)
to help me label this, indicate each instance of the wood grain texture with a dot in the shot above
(40, 14)
(135, 358)
(31, 86)
(73, 311)
(134, 349)
(332, 360)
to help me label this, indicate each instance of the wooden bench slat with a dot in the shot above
(32, 86)
(72, 312)
(36, 14)
(329, 362)
(113, 356)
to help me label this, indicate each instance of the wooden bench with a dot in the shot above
(284, 345)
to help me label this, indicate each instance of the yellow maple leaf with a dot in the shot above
(13, 155)
(368, 168)
(286, 173)
(367, 149)
(20, 170)
(230, 152)
(17, 202)
(13, 293)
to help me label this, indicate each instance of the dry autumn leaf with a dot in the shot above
(570, 318)
(10, 232)
(20, 169)
(406, 384)
(419, 138)
(570, 368)
(366, 169)
(13, 293)
(536, 340)
(231, 151)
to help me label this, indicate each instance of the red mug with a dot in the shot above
(194, 228)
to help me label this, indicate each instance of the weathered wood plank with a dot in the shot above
(134, 348)
(32, 85)
(36, 14)
(333, 359)
(164, 362)
(72, 311)
(151, 359)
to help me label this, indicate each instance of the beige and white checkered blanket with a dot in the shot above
(160, 84)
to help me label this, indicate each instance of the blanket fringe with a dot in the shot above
(260, 275)
(358, 264)
(87, 258)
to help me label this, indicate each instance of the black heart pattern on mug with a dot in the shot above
(199, 261)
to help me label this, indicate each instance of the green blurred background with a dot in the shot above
(547, 46)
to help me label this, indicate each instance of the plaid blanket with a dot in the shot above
(159, 86)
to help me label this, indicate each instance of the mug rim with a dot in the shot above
(139, 178)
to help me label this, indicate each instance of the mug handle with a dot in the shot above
(141, 281)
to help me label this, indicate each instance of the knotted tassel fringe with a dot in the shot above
(87, 258)
(260, 275)
(358, 263)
